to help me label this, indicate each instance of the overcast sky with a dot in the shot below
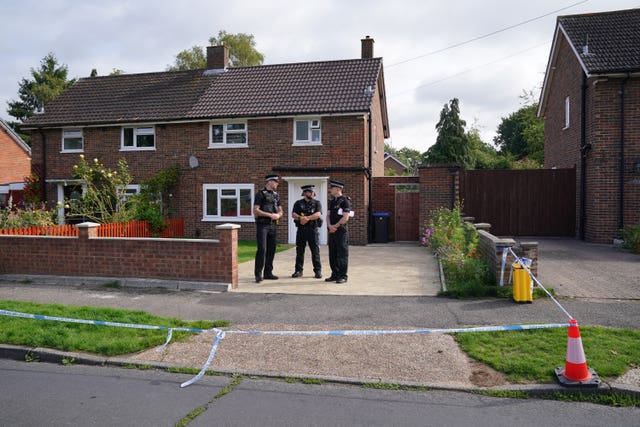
(485, 53)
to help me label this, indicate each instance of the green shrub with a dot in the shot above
(455, 242)
(631, 236)
(19, 218)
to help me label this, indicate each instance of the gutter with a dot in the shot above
(584, 151)
(321, 169)
(621, 188)
(370, 181)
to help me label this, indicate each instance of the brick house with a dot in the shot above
(591, 104)
(392, 162)
(15, 165)
(226, 128)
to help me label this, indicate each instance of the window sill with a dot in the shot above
(223, 146)
(307, 144)
(228, 219)
(138, 149)
(71, 151)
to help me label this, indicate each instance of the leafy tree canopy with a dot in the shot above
(452, 144)
(242, 52)
(521, 134)
(45, 84)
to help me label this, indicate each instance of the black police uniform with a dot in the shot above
(339, 241)
(268, 201)
(308, 234)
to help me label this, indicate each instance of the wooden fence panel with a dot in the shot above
(521, 202)
(175, 228)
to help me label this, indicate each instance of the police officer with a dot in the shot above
(337, 218)
(267, 211)
(307, 215)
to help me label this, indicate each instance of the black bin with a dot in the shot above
(381, 227)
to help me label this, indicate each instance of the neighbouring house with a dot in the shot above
(15, 165)
(591, 104)
(226, 128)
(393, 163)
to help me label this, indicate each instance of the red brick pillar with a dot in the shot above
(439, 187)
(228, 236)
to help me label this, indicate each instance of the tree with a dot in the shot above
(242, 52)
(452, 144)
(45, 85)
(521, 134)
(483, 155)
(242, 48)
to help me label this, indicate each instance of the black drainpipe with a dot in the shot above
(369, 177)
(43, 179)
(584, 151)
(621, 199)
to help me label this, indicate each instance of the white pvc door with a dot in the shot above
(294, 189)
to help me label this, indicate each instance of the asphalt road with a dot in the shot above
(56, 395)
(347, 311)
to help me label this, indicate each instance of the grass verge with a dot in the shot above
(97, 339)
(531, 356)
(247, 250)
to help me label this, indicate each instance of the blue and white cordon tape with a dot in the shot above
(220, 334)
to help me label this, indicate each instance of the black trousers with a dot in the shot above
(266, 241)
(311, 236)
(339, 252)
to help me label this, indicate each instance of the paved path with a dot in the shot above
(393, 269)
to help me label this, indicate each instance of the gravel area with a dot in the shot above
(428, 359)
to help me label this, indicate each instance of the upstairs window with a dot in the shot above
(72, 141)
(307, 131)
(138, 138)
(229, 134)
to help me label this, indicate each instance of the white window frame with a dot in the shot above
(567, 112)
(220, 188)
(72, 133)
(138, 130)
(226, 131)
(130, 191)
(314, 123)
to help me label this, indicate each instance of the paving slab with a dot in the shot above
(390, 269)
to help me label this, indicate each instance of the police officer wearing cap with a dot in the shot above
(307, 215)
(337, 218)
(267, 211)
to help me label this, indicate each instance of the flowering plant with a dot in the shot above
(455, 242)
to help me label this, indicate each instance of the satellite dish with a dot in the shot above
(193, 162)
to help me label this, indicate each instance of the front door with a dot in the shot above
(294, 189)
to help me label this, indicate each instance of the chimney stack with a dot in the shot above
(217, 57)
(367, 47)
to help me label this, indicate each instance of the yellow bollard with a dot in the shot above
(522, 284)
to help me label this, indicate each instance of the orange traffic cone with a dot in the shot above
(576, 372)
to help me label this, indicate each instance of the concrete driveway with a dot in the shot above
(577, 269)
(573, 268)
(391, 269)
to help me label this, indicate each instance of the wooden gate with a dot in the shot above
(407, 215)
(521, 202)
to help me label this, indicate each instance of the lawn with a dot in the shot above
(247, 250)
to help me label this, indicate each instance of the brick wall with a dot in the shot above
(344, 145)
(603, 124)
(15, 163)
(86, 255)
(384, 200)
(439, 187)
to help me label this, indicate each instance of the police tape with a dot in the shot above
(524, 265)
(220, 334)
